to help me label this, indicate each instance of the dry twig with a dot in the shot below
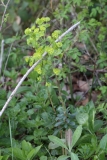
(2, 21)
(1, 55)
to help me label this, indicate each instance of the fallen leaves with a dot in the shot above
(81, 91)
(83, 85)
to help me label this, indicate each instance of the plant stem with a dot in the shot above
(1, 56)
(51, 100)
(11, 137)
(70, 82)
(60, 94)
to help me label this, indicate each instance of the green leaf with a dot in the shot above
(97, 125)
(57, 141)
(101, 156)
(7, 73)
(11, 40)
(2, 102)
(53, 145)
(82, 118)
(5, 157)
(76, 135)
(18, 153)
(23, 89)
(63, 157)
(103, 142)
(91, 118)
(78, 2)
(2, 94)
(33, 152)
(74, 156)
(43, 158)
(94, 141)
(26, 146)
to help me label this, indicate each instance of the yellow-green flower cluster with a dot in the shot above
(33, 28)
(49, 49)
(38, 69)
(48, 84)
(31, 61)
(28, 31)
(34, 36)
(36, 32)
(59, 44)
(27, 58)
(30, 40)
(42, 28)
(51, 40)
(39, 78)
(36, 39)
(56, 34)
(56, 71)
(40, 21)
(38, 54)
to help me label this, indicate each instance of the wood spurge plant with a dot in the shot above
(38, 40)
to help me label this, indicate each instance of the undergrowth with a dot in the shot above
(59, 112)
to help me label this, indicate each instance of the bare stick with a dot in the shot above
(66, 32)
(30, 69)
(1, 55)
(2, 21)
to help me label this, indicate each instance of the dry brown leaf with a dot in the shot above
(94, 95)
(85, 101)
(86, 57)
(82, 102)
(75, 87)
(83, 85)
(80, 45)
